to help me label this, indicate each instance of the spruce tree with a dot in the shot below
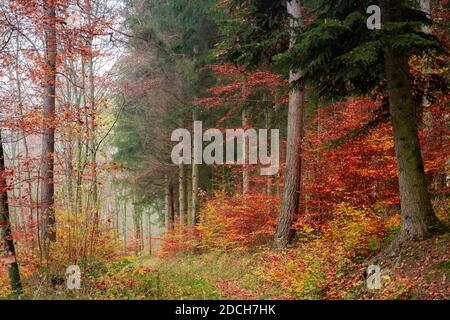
(341, 57)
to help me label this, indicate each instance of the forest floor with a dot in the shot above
(422, 271)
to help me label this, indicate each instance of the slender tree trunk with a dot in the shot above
(246, 166)
(182, 194)
(150, 234)
(291, 196)
(175, 204)
(47, 223)
(195, 184)
(141, 222)
(271, 179)
(417, 213)
(137, 231)
(92, 122)
(117, 221)
(93, 125)
(166, 203)
(5, 228)
(189, 194)
(169, 205)
(24, 135)
(68, 159)
(125, 227)
(93, 152)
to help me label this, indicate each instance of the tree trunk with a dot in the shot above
(137, 231)
(169, 205)
(182, 194)
(246, 166)
(291, 196)
(47, 221)
(93, 128)
(24, 135)
(5, 228)
(417, 215)
(175, 204)
(142, 232)
(271, 179)
(125, 227)
(195, 184)
(150, 234)
(425, 5)
(189, 195)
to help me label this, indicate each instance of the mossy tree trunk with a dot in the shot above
(417, 215)
(7, 243)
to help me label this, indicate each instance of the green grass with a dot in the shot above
(194, 277)
(198, 276)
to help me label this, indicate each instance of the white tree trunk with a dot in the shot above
(195, 183)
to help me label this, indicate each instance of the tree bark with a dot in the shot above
(5, 228)
(175, 204)
(169, 218)
(291, 196)
(246, 165)
(272, 179)
(425, 5)
(150, 252)
(125, 226)
(195, 183)
(189, 194)
(417, 215)
(137, 231)
(24, 135)
(93, 128)
(47, 221)
(182, 194)
(136, 235)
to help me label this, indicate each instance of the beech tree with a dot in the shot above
(47, 187)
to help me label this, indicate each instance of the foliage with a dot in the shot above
(224, 62)
(342, 57)
(357, 162)
(238, 223)
(318, 265)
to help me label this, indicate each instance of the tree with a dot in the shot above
(336, 52)
(182, 193)
(292, 179)
(171, 69)
(168, 204)
(255, 35)
(8, 251)
(195, 181)
(47, 218)
(418, 217)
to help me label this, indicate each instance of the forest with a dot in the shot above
(224, 150)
